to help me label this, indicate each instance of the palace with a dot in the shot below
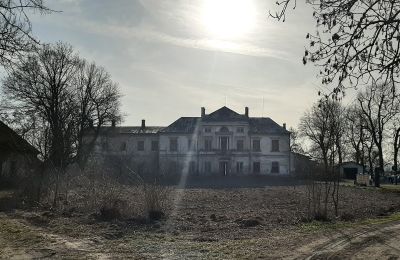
(223, 142)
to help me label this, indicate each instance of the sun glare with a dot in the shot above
(226, 19)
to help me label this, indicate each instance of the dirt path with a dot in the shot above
(19, 240)
(373, 242)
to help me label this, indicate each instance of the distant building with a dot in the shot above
(350, 170)
(302, 165)
(18, 158)
(220, 143)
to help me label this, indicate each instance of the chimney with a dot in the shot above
(284, 126)
(113, 123)
(203, 112)
(143, 123)
(246, 111)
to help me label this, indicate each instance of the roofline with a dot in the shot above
(31, 149)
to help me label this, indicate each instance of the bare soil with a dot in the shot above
(240, 223)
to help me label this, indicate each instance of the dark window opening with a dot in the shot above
(275, 146)
(173, 145)
(140, 146)
(123, 146)
(224, 143)
(239, 167)
(207, 167)
(256, 167)
(154, 146)
(192, 167)
(207, 144)
(275, 167)
(256, 145)
(240, 145)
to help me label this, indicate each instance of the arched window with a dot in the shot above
(224, 129)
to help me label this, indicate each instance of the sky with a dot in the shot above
(172, 57)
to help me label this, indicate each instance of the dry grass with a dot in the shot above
(242, 223)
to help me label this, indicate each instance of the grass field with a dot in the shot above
(240, 223)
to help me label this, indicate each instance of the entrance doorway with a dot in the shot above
(224, 168)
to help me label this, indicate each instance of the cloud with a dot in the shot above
(147, 34)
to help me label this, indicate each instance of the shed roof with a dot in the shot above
(10, 140)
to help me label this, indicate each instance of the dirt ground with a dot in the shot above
(247, 223)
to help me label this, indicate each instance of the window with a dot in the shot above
(275, 167)
(239, 167)
(190, 143)
(275, 146)
(207, 167)
(154, 146)
(173, 144)
(256, 167)
(224, 129)
(192, 167)
(240, 145)
(256, 145)
(123, 146)
(207, 129)
(140, 146)
(208, 144)
(240, 130)
(224, 143)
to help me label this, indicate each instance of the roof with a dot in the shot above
(224, 114)
(262, 125)
(184, 125)
(10, 140)
(265, 125)
(130, 130)
(350, 162)
(187, 125)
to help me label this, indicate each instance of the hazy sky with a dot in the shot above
(172, 57)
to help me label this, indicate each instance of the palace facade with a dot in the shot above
(223, 143)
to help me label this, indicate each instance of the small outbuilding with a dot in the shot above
(350, 170)
(18, 158)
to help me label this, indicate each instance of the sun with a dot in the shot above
(227, 19)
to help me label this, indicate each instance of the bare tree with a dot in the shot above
(16, 29)
(378, 105)
(395, 134)
(42, 82)
(355, 132)
(61, 95)
(322, 126)
(98, 101)
(295, 144)
(356, 41)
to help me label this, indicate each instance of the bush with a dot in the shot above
(156, 197)
(110, 213)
